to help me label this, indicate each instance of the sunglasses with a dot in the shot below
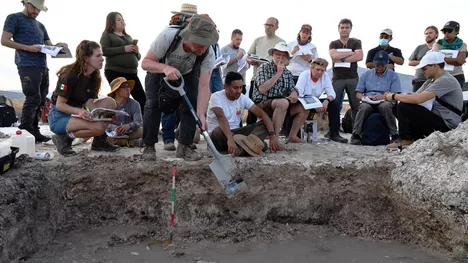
(447, 30)
(384, 36)
(318, 63)
(425, 67)
(306, 28)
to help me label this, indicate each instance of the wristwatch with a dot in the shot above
(393, 96)
(271, 133)
(342, 60)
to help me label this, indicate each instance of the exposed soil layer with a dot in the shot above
(40, 201)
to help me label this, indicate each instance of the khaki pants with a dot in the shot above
(220, 140)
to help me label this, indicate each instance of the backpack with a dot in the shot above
(347, 122)
(169, 100)
(375, 131)
(7, 112)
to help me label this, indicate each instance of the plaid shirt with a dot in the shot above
(282, 88)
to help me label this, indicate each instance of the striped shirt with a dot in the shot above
(27, 31)
(281, 89)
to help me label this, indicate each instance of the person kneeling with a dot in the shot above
(312, 83)
(436, 106)
(127, 129)
(76, 93)
(224, 115)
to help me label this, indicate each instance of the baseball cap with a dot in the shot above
(381, 58)
(306, 28)
(431, 58)
(387, 31)
(281, 46)
(201, 31)
(451, 25)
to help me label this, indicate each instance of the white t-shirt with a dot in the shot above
(297, 65)
(306, 86)
(179, 59)
(232, 109)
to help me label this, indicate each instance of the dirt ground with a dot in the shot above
(96, 207)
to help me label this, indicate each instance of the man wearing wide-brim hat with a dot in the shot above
(23, 33)
(126, 130)
(187, 57)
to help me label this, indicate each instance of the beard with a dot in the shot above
(430, 40)
(234, 46)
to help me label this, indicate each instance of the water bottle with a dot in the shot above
(25, 141)
(42, 156)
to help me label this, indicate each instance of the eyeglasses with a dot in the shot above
(425, 67)
(384, 36)
(269, 25)
(447, 30)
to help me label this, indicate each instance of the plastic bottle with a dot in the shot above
(25, 141)
(45, 156)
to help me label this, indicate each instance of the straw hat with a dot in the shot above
(186, 9)
(116, 83)
(251, 144)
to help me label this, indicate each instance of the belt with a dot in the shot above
(216, 70)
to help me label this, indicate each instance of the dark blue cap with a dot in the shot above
(381, 58)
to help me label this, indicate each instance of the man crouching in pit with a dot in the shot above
(224, 116)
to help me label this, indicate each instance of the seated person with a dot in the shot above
(314, 82)
(224, 115)
(76, 92)
(373, 84)
(274, 90)
(126, 125)
(441, 91)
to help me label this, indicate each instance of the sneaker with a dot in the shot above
(356, 139)
(41, 138)
(185, 152)
(63, 144)
(149, 153)
(169, 146)
(100, 143)
(395, 144)
(327, 135)
(338, 138)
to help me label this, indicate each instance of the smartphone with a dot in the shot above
(135, 42)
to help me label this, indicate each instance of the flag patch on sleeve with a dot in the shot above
(63, 87)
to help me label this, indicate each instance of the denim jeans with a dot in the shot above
(216, 82)
(168, 127)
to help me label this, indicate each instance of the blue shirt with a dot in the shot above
(27, 31)
(372, 84)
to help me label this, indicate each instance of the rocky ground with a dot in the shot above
(417, 197)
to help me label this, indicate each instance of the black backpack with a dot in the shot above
(375, 131)
(169, 100)
(347, 122)
(7, 112)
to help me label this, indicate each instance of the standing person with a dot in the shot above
(122, 55)
(451, 41)
(179, 19)
(303, 52)
(76, 93)
(395, 55)
(261, 47)
(431, 33)
(216, 81)
(27, 32)
(346, 49)
(179, 53)
(236, 53)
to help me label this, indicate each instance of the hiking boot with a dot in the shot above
(169, 146)
(395, 144)
(100, 143)
(356, 139)
(185, 152)
(193, 146)
(63, 144)
(149, 153)
(41, 138)
(338, 138)
(327, 135)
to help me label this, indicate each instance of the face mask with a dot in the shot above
(383, 42)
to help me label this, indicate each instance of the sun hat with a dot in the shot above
(251, 144)
(431, 58)
(39, 4)
(201, 31)
(281, 46)
(116, 83)
(186, 9)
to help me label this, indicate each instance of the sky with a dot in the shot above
(73, 21)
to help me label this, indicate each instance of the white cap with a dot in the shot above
(281, 46)
(431, 58)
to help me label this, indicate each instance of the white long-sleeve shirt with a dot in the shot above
(307, 87)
